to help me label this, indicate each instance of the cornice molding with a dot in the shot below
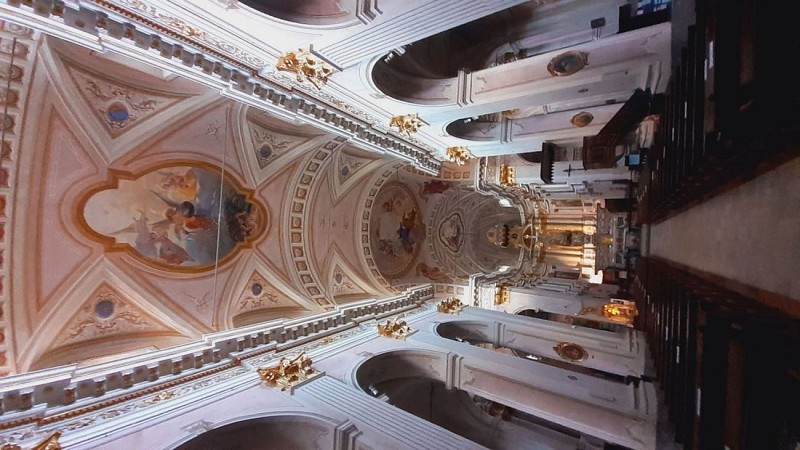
(77, 400)
(139, 30)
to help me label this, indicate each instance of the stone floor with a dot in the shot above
(750, 234)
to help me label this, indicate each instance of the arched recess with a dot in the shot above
(321, 13)
(473, 332)
(284, 430)
(411, 380)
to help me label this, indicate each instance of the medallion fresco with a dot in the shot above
(174, 217)
(451, 232)
(396, 228)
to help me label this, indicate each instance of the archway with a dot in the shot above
(283, 432)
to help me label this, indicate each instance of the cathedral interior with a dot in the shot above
(384, 224)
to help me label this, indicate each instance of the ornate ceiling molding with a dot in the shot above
(255, 285)
(197, 54)
(105, 395)
(16, 72)
(299, 218)
(375, 274)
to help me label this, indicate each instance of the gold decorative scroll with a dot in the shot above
(571, 352)
(407, 124)
(395, 328)
(289, 372)
(51, 443)
(459, 155)
(623, 313)
(507, 176)
(306, 67)
(450, 305)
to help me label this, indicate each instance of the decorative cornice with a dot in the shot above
(299, 218)
(16, 70)
(161, 379)
(210, 60)
(366, 248)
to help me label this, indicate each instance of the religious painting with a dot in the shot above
(451, 232)
(182, 217)
(396, 229)
(434, 274)
(434, 187)
(348, 165)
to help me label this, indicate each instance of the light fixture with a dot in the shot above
(306, 67)
(459, 155)
(407, 124)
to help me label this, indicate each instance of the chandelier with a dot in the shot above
(306, 67)
(407, 124)
(459, 155)
(507, 176)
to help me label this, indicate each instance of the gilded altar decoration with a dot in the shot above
(450, 305)
(623, 313)
(567, 63)
(502, 296)
(508, 177)
(395, 328)
(582, 119)
(409, 123)
(459, 155)
(571, 352)
(289, 372)
(306, 67)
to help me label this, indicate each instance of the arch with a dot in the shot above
(400, 378)
(397, 364)
(472, 332)
(312, 13)
(281, 430)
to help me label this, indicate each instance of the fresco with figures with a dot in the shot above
(397, 229)
(175, 217)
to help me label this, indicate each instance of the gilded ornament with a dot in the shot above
(395, 328)
(571, 352)
(623, 313)
(289, 372)
(306, 67)
(409, 123)
(51, 443)
(450, 305)
(582, 119)
(161, 397)
(508, 176)
(567, 63)
(502, 296)
(459, 155)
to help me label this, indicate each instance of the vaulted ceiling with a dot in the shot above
(140, 209)
(122, 241)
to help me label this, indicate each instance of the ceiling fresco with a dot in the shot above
(149, 210)
(152, 211)
(175, 216)
(397, 230)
